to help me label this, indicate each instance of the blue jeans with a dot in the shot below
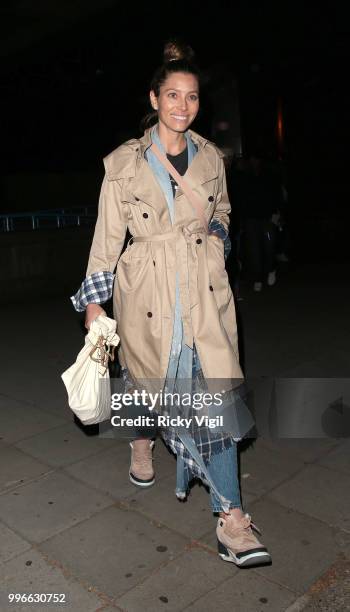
(221, 475)
(223, 470)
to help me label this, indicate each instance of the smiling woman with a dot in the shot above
(177, 103)
(172, 299)
(184, 65)
(175, 96)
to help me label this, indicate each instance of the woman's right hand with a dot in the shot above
(92, 312)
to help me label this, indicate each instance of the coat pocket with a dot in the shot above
(216, 255)
(217, 272)
(135, 299)
(133, 269)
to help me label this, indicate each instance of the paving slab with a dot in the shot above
(246, 591)
(339, 458)
(45, 390)
(265, 468)
(48, 505)
(247, 499)
(30, 573)
(285, 357)
(293, 306)
(318, 492)
(164, 460)
(115, 549)
(17, 468)
(191, 518)
(108, 471)
(40, 381)
(11, 544)
(177, 584)
(308, 450)
(20, 420)
(52, 396)
(63, 445)
(301, 547)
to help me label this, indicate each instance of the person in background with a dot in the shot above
(260, 206)
(283, 234)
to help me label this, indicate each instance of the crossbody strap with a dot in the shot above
(189, 193)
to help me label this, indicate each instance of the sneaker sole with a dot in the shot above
(141, 483)
(250, 559)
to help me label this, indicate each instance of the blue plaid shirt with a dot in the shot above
(95, 289)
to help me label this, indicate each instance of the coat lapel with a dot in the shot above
(200, 171)
(142, 185)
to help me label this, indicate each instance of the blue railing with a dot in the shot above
(48, 219)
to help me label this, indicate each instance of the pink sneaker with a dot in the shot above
(238, 544)
(141, 471)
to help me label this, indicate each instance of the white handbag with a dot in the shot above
(87, 380)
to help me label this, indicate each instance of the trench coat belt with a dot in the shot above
(187, 267)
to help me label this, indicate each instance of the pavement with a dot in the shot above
(72, 524)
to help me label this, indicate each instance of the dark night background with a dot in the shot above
(75, 75)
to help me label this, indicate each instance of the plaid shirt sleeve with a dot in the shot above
(218, 228)
(95, 289)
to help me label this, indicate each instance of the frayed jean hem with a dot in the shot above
(180, 494)
(217, 509)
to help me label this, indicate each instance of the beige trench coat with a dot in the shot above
(144, 288)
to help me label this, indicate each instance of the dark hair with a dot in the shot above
(177, 57)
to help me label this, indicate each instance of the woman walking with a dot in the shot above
(172, 300)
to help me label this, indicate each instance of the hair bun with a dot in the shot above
(176, 50)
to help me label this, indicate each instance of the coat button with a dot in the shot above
(145, 215)
(211, 198)
(211, 287)
(137, 199)
(149, 314)
(199, 241)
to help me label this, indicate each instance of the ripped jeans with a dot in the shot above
(221, 475)
(221, 472)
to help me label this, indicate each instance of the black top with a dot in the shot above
(180, 163)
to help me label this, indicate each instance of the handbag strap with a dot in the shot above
(189, 193)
